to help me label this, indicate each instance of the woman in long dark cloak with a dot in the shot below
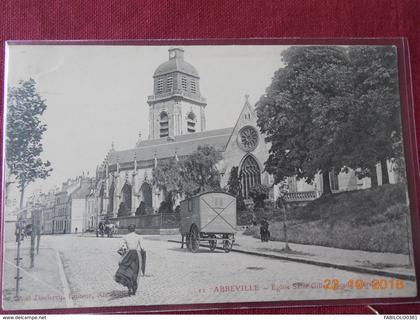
(129, 266)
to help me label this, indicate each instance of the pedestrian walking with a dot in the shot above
(264, 232)
(129, 265)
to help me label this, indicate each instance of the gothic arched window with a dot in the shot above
(111, 198)
(250, 175)
(191, 121)
(126, 196)
(164, 124)
(101, 198)
(146, 194)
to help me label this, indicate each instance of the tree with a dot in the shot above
(167, 177)
(190, 175)
(141, 209)
(24, 135)
(234, 188)
(282, 205)
(199, 172)
(122, 210)
(259, 193)
(166, 206)
(305, 111)
(376, 117)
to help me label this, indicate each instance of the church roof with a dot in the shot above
(167, 147)
(176, 64)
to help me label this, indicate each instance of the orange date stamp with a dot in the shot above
(360, 284)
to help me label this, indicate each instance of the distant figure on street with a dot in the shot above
(129, 265)
(254, 221)
(75, 230)
(264, 232)
(19, 232)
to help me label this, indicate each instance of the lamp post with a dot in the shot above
(35, 233)
(18, 258)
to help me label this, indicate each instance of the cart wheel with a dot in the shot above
(194, 239)
(212, 244)
(227, 245)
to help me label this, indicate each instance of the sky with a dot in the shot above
(96, 95)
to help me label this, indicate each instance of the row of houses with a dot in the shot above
(70, 208)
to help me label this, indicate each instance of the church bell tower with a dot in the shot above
(176, 106)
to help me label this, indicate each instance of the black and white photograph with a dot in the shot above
(150, 175)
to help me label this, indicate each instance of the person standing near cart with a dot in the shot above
(129, 265)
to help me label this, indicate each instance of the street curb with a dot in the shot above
(357, 269)
(93, 236)
(66, 288)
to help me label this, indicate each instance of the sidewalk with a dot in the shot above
(40, 287)
(386, 264)
(381, 264)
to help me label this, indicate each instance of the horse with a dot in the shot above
(110, 229)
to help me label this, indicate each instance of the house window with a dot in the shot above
(193, 87)
(191, 121)
(184, 83)
(160, 86)
(169, 84)
(164, 125)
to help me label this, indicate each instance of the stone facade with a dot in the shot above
(176, 128)
(176, 107)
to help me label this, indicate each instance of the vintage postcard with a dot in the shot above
(146, 175)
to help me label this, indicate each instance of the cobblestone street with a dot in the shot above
(176, 276)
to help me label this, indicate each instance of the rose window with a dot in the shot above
(248, 138)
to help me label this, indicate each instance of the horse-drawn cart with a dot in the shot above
(105, 228)
(208, 217)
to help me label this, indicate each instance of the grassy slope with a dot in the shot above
(370, 220)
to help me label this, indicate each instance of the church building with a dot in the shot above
(177, 126)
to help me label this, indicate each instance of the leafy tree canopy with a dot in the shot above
(375, 118)
(259, 193)
(24, 134)
(235, 189)
(331, 107)
(304, 111)
(190, 175)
